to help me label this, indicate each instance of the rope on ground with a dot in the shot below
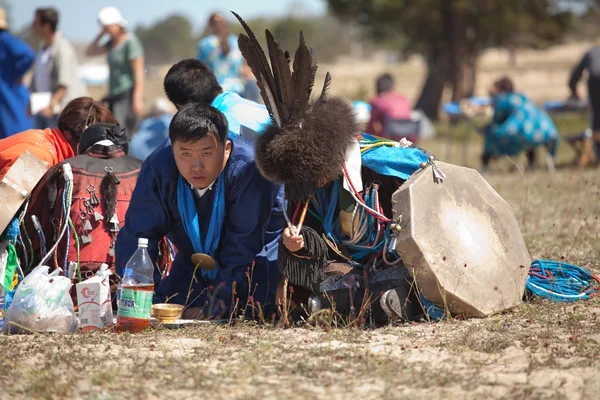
(561, 282)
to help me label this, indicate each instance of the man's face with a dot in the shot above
(202, 161)
(38, 29)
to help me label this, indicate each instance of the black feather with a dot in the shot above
(303, 78)
(326, 85)
(108, 190)
(256, 59)
(282, 76)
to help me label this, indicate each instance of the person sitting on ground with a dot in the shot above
(518, 125)
(191, 81)
(154, 130)
(388, 103)
(203, 190)
(54, 145)
(104, 178)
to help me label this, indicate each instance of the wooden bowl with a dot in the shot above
(166, 313)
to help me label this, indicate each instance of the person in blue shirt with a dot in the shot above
(153, 131)
(191, 81)
(518, 125)
(16, 57)
(219, 51)
(203, 191)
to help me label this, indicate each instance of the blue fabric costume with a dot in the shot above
(240, 111)
(15, 59)
(227, 68)
(518, 124)
(152, 133)
(253, 221)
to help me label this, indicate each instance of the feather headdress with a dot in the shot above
(305, 145)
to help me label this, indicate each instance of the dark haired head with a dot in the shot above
(195, 120)
(191, 81)
(504, 85)
(81, 113)
(47, 16)
(384, 83)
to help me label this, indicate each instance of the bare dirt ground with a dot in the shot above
(537, 351)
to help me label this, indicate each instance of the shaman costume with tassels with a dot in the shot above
(338, 184)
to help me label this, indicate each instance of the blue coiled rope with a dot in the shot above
(561, 282)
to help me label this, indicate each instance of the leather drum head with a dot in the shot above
(461, 242)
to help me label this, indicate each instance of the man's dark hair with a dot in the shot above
(195, 120)
(191, 81)
(384, 83)
(48, 16)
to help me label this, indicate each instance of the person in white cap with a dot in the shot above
(16, 58)
(126, 66)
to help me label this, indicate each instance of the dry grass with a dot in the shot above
(539, 350)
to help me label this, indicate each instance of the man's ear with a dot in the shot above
(227, 148)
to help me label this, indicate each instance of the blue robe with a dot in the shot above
(240, 111)
(15, 59)
(152, 133)
(518, 124)
(252, 226)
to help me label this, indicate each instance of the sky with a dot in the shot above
(78, 17)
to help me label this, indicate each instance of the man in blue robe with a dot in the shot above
(191, 81)
(15, 59)
(203, 191)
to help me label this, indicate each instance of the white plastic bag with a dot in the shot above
(42, 303)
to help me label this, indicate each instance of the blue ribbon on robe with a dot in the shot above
(189, 215)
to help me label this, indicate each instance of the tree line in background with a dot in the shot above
(449, 35)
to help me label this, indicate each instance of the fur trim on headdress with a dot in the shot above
(305, 145)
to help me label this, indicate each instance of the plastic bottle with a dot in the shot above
(137, 289)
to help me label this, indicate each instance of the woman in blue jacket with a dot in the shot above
(16, 57)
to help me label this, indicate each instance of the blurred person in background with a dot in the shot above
(518, 125)
(591, 63)
(219, 51)
(55, 145)
(153, 131)
(126, 65)
(55, 69)
(15, 59)
(387, 104)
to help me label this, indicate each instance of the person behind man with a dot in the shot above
(55, 69)
(219, 51)
(126, 66)
(54, 145)
(191, 81)
(153, 131)
(518, 125)
(203, 190)
(591, 63)
(16, 58)
(387, 104)
(103, 180)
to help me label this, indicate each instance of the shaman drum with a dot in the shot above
(460, 241)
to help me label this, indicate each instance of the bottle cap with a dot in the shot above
(143, 242)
